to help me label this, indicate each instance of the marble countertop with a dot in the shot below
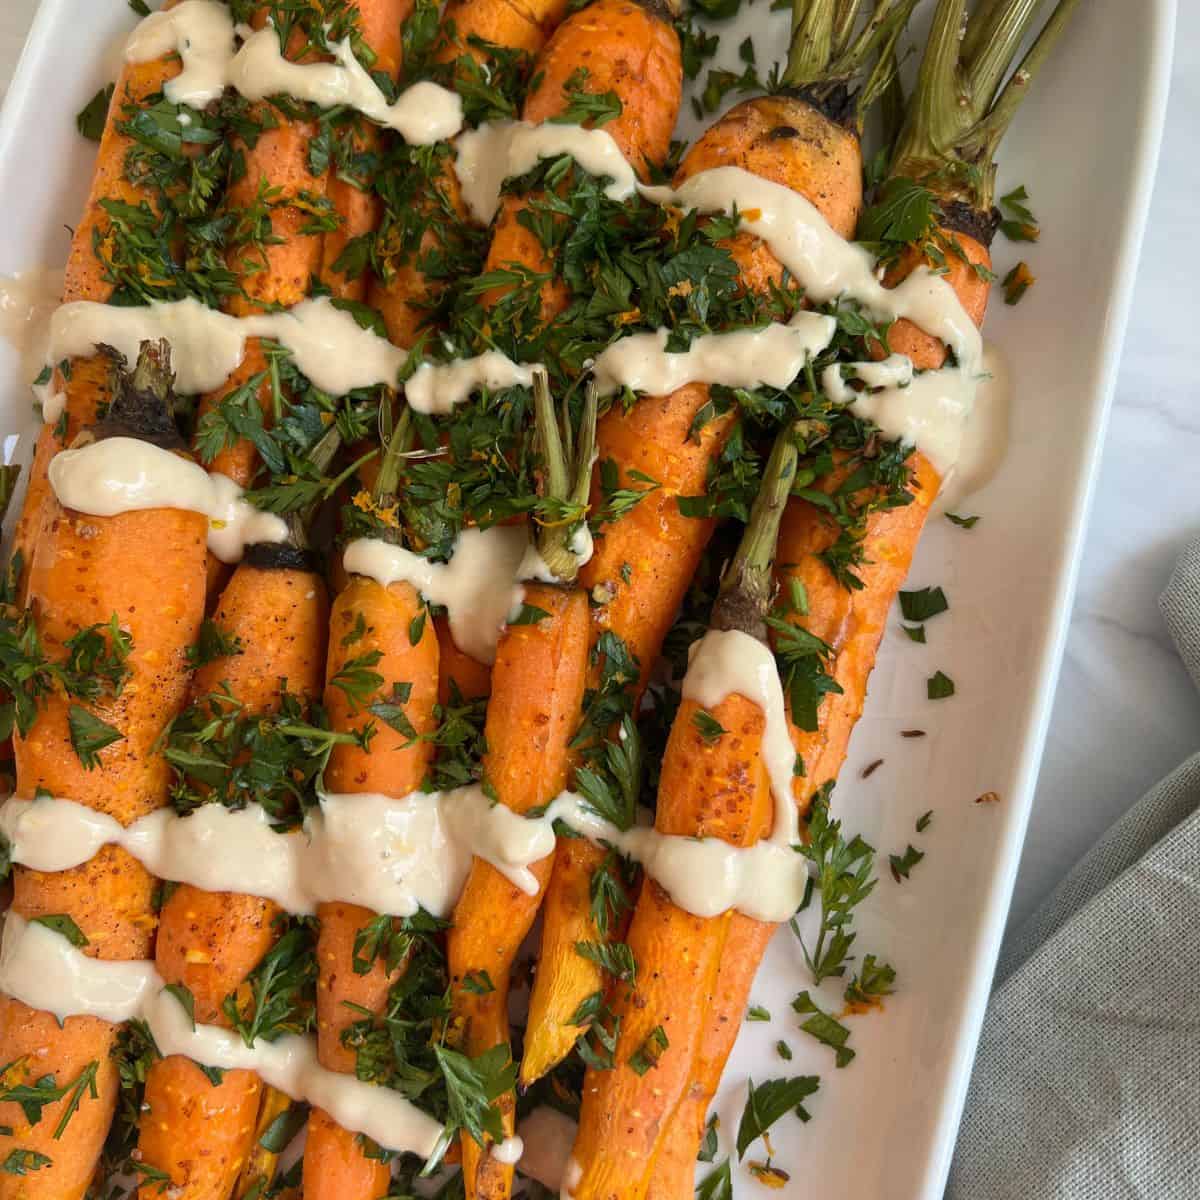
(1125, 712)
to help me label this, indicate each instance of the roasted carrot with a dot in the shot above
(852, 622)
(644, 561)
(373, 626)
(711, 786)
(534, 709)
(513, 24)
(86, 385)
(405, 291)
(354, 200)
(626, 48)
(145, 571)
(197, 1132)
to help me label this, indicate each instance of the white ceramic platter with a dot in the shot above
(1085, 146)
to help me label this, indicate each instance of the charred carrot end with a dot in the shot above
(384, 632)
(788, 141)
(335, 1167)
(36, 1046)
(198, 1132)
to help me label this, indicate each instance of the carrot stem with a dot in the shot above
(826, 52)
(957, 117)
(746, 586)
(396, 442)
(993, 127)
(568, 474)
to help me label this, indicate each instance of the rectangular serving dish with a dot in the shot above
(884, 1127)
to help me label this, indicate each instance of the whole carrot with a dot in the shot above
(537, 693)
(381, 631)
(85, 386)
(646, 558)
(196, 1131)
(851, 622)
(714, 783)
(132, 587)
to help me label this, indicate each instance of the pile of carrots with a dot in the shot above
(635, 1003)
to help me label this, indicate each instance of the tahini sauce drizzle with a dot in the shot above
(42, 969)
(121, 474)
(203, 34)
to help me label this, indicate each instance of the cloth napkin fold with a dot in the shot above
(1087, 1081)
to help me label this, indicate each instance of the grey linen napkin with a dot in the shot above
(1087, 1082)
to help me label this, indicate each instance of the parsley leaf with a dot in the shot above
(646, 1056)
(962, 522)
(717, 1184)
(21, 1162)
(828, 1030)
(768, 1102)
(64, 925)
(91, 118)
(89, 735)
(871, 984)
(939, 686)
(843, 879)
(923, 604)
(614, 957)
(709, 727)
(902, 864)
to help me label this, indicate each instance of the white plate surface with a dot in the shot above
(1085, 146)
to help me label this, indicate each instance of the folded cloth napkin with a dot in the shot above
(1087, 1082)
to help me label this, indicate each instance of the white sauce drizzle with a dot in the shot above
(478, 585)
(121, 474)
(747, 358)
(824, 263)
(438, 388)
(42, 969)
(328, 345)
(395, 855)
(204, 35)
(509, 1151)
(489, 155)
(28, 301)
(959, 424)
(726, 661)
